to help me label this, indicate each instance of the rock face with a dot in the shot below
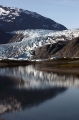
(12, 19)
(70, 50)
(16, 38)
(62, 49)
(48, 50)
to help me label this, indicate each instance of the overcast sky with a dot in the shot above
(65, 12)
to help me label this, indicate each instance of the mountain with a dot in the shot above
(12, 19)
(34, 39)
(70, 50)
(5, 37)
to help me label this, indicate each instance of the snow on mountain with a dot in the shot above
(33, 39)
(18, 19)
(4, 11)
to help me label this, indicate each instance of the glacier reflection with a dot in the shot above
(14, 98)
(30, 78)
(24, 87)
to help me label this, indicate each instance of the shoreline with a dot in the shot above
(59, 70)
(57, 66)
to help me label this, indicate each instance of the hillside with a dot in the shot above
(47, 51)
(12, 19)
(70, 50)
(5, 37)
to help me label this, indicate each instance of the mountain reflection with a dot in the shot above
(12, 98)
(24, 87)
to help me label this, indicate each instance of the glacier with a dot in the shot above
(33, 39)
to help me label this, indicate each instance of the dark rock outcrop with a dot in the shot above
(70, 50)
(5, 37)
(62, 49)
(48, 50)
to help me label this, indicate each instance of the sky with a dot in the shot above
(64, 12)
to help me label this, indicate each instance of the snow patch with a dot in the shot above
(3, 12)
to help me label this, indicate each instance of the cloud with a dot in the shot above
(65, 2)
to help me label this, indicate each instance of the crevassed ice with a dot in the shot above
(36, 38)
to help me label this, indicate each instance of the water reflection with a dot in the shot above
(12, 99)
(24, 87)
(30, 78)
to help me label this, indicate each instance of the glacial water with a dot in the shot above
(29, 94)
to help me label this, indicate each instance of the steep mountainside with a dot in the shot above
(12, 19)
(70, 50)
(5, 37)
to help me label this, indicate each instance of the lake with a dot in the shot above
(29, 94)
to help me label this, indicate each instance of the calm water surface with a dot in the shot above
(29, 94)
